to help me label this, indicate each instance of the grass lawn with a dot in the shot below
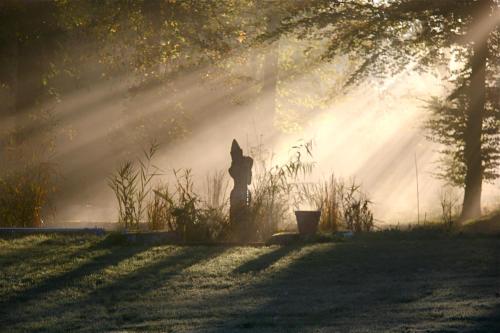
(369, 284)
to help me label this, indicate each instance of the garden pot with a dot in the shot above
(307, 221)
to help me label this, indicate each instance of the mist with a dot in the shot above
(372, 132)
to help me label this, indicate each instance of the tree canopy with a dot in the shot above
(388, 37)
(51, 48)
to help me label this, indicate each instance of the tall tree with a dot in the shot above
(392, 36)
(446, 125)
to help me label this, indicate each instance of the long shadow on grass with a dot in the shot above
(114, 256)
(27, 264)
(264, 261)
(486, 323)
(489, 321)
(30, 249)
(44, 248)
(346, 286)
(122, 300)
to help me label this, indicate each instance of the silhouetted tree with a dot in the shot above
(446, 126)
(388, 37)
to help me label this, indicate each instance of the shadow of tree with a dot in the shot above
(362, 287)
(266, 260)
(488, 323)
(116, 254)
(38, 249)
(29, 248)
(366, 285)
(123, 299)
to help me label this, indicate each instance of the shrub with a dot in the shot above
(199, 219)
(215, 207)
(159, 209)
(274, 192)
(326, 196)
(450, 206)
(186, 212)
(355, 209)
(185, 207)
(342, 206)
(23, 195)
(358, 216)
(269, 205)
(276, 189)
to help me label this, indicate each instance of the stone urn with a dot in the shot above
(307, 221)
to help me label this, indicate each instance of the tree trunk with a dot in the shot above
(473, 156)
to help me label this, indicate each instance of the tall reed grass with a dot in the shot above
(132, 185)
(276, 191)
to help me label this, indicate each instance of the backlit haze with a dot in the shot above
(373, 133)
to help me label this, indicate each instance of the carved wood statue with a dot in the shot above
(241, 172)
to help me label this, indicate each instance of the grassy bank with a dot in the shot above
(63, 283)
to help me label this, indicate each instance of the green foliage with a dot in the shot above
(150, 42)
(385, 38)
(388, 37)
